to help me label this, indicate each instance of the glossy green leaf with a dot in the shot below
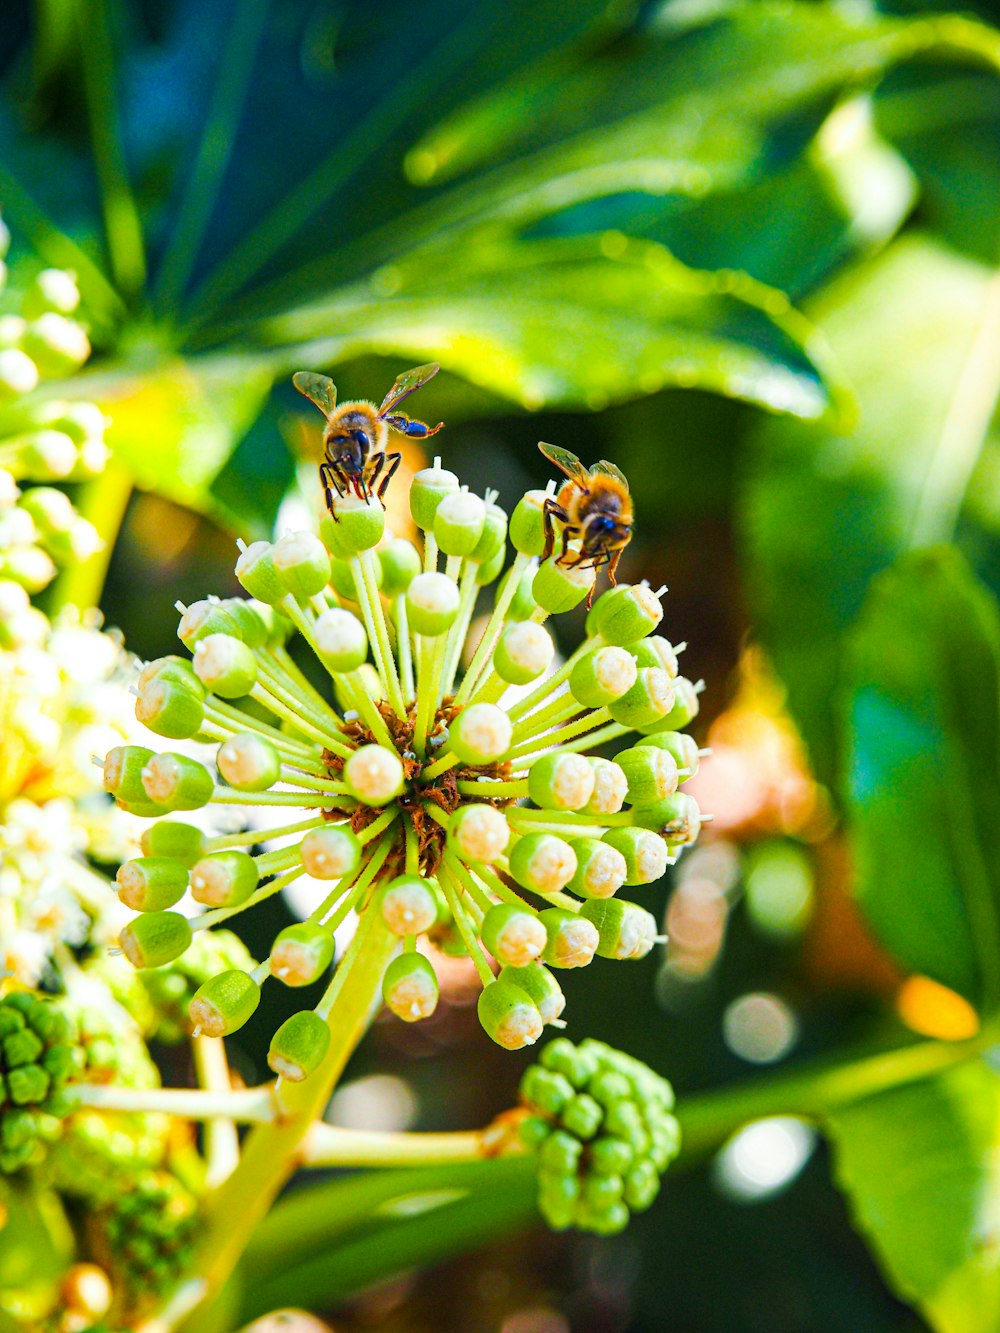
(921, 1168)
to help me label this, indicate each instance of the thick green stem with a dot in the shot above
(102, 501)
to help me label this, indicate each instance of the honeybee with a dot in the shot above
(357, 433)
(593, 507)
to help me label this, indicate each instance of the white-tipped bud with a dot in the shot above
(18, 373)
(610, 787)
(542, 862)
(225, 665)
(459, 523)
(408, 905)
(601, 677)
(331, 852)
(431, 604)
(302, 563)
(248, 762)
(481, 734)
(340, 639)
(561, 781)
(524, 653)
(478, 833)
(374, 775)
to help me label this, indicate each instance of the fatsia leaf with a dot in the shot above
(924, 771)
(921, 1168)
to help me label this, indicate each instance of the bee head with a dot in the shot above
(602, 531)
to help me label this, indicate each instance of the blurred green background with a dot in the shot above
(749, 252)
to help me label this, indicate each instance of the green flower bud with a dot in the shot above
(368, 681)
(299, 1046)
(682, 712)
(582, 1116)
(561, 781)
(459, 522)
(578, 1063)
(478, 833)
(123, 768)
(225, 665)
(151, 883)
(558, 1198)
(625, 930)
(523, 605)
(572, 939)
(539, 983)
(249, 762)
(330, 852)
(545, 1090)
(481, 734)
(21, 1048)
(341, 641)
(602, 677)
(509, 1016)
(374, 775)
(490, 570)
(558, 588)
(51, 510)
(677, 819)
(400, 563)
(29, 566)
(57, 345)
(431, 604)
(251, 625)
(428, 488)
(202, 619)
(175, 782)
(18, 376)
(78, 542)
(683, 747)
(224, 1003)
(513, 934)
(410, 987)
(542, 862)
(527, 523)
(51, 289)
(342, 578)
(656, 651)
(224, 879)
(155, 938)
(523, 653)
(494, 536)
(256, 572)
(408, 906)
(649, 699)
(301, 953)
(533, 1131)
(651, 773)
(600, 869)
(645, 853)
(359, 525)
(560, 1152)
(610, 787)
(302, 563)
(642, 1185)
(175, 670)
(625, 614)
(610, 1156)
(170, 709)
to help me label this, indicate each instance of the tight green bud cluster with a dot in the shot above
(601, 1124)
(149, 1233)
(40, 1054)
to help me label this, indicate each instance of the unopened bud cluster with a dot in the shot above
(40, 1053)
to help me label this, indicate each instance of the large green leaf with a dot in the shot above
(924, 772)
(916, 332)
(921, 1167)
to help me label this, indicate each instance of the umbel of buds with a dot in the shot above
(40, 1053)
(467, 801)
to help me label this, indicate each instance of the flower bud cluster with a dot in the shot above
(147, 1237)
(40, 1053)
(601, 1124)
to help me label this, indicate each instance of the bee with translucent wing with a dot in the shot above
(594, 508)
(357, 433)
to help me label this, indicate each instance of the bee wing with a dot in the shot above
(406, 383)
(319, 389)
(565, 461)
(609, 470)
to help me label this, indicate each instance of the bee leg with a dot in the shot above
(567, 532)
(416, 430)
(328, 476)
(613, 567)
(550, 510)
(372, 477)
(394, 461)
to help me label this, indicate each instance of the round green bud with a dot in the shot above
(155, 938)
(610, 787)
(478, 833)
(225, 665)
(29, 566)
(57, 345)
(224, 1003)
(359, 525)
(560, 1152)
(342, 578)
(610, 1156)
(539, 983)
(51, 289)
(302, 563)
(341, 641)
(523, 605)
(645, 853)
(253, 626)
(558, 588)
(301, 953)
(558, 1199)
(408, 906)
(490, 570)
(171, 838)
(656, 651)
(429, 487)
(676, 819)
(626, 614)
(299, 1046)
(256, 572)
(561, 781)
(400, 563)
(368, 681)
(176, 670)
(224, 879)
(513, 934)
(374, 775)
(509, 1016)
(572, 939)
(249, 762)
(603, 676)
(527, 523)
(51, 510)
(649, 699)
(123, 766)
(203, 618)
(642, 1184)
(600, 869)
(410, 987)
(533, 1131)
(577, 1063)
(600, 1192)
(170, 709)
(681, 746)
(609, 1086)
(682, 712)
(582, 1116)
(431, 604)
(330, 852)
(493, 538)
(542, 862)
(459, 522)
(18, 376)
(175, 782)
(625, 930)
(151, 883)
(651, 773)
(524, 652)
(78, 542)
(481, 734)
